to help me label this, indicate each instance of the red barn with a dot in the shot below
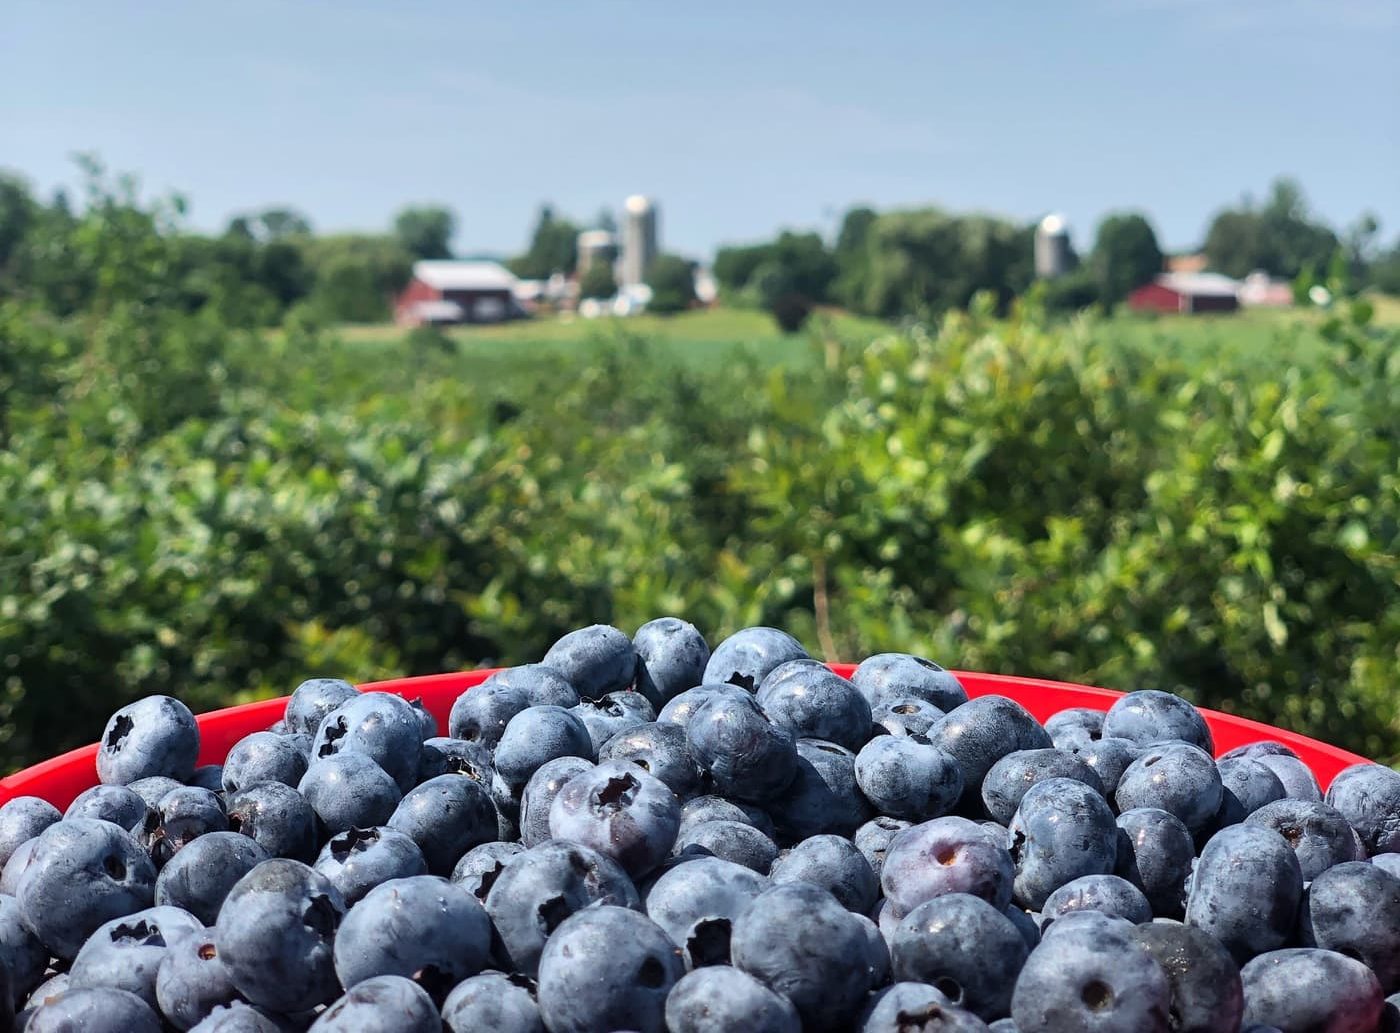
(1186, 293)
(457, 292)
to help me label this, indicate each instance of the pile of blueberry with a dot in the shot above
(637, 834)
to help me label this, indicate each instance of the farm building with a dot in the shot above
(457, 292)
(1187, 292)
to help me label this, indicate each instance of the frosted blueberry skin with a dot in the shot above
(1310, 988)
(381, 726)
(1062, 830)
(156, 735)
(697, 903)
(495, 1001)
(1206, 991)
(595, 660)
(886, 676)
(24, 817)
(1354, 909)
(945, 855)
(381, 1004)
(1368, 796)
(749, 655)
(964, 947)
(671, 657)
(715, 999)
(1246, 890)
(1150, 715)
(746, 753)
(1009, 778)
(1091, 978)
(1155, 854)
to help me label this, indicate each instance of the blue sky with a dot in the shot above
(740, 117)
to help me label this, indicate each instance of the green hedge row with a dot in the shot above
(194, 511)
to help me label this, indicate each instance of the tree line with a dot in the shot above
(269, 266)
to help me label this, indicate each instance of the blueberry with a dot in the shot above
(607, 968)
(819, 704)
(278, 817)
(182, 816)
(799, 941)
(1026, 924)
(1318, 834)
(191, 980)
(83, 873)
(1310, 989)
(671, 657)
(733, 841)
(156, 735)
(263, 757)
(94, 1010)
(208, 776)
(916, 1006)
(1092, 978)
(358, 859)
(153, 787)
(349, 790)
(446, 816)
(1206, 992)
(906, 776)
(746, 657)
(427, 722)
(905, 715)
(382, 1004)
(1385, 862)
(46, 991)
(1109, 758)
(1354, 909)
(544, 886)
(24, 817)
(275, 934)
(480, 714)
(117, 804)
(126, 953)
(383, 727)
(1368, 796)
(1062, 830)
(1149, 716)
(946, 855)
(725, 1000)
(443, 755)
(1263, 748)
(481, 866)
(982, 731)
(539, 794)
(716, 808)
(313, 699)
(19, 863)
(824, 796)
(613, 713)
(492, 1001)
(1106, 893)
(797, 668)
(423, 928)
(1245, 890)
(1179, 779)
(874, 959)
(1077, 726)
(746, 753)
(1010, 777)
(887, 676)
(680, 708)
(199, 877)
(537, 735)
(661, 749)
(696, 904)
(965, 948)
(543, 685)
(834, 864)
(873, 839)
(621, 811)
(1246, 786)
(595, 660)
(1155, 853)
(1298, 780)
(240, 1017)
(22, 955)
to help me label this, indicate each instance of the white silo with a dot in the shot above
(596, 246)
(639, 238)
(1052, 250)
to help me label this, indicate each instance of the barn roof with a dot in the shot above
(1209, 285)
(464, 276)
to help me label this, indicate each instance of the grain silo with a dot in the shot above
(639, 238)
(1052, 249)
(596, 246)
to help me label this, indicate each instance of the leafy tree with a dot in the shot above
(852, 255)
(553, 248)
(790, 311)
(672, 283)
(597, 281)
(18, 211)
(356, 276)
(1125, 256)
(735, 265)
(426, 232)
(1280, 238)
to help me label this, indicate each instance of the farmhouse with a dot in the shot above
(1187, 292)
(457, 292)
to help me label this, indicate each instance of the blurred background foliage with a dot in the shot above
(196, 506)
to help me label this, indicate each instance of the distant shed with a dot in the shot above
(1187, 293)
(457, 292)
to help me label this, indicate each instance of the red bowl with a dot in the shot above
(61, 779)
